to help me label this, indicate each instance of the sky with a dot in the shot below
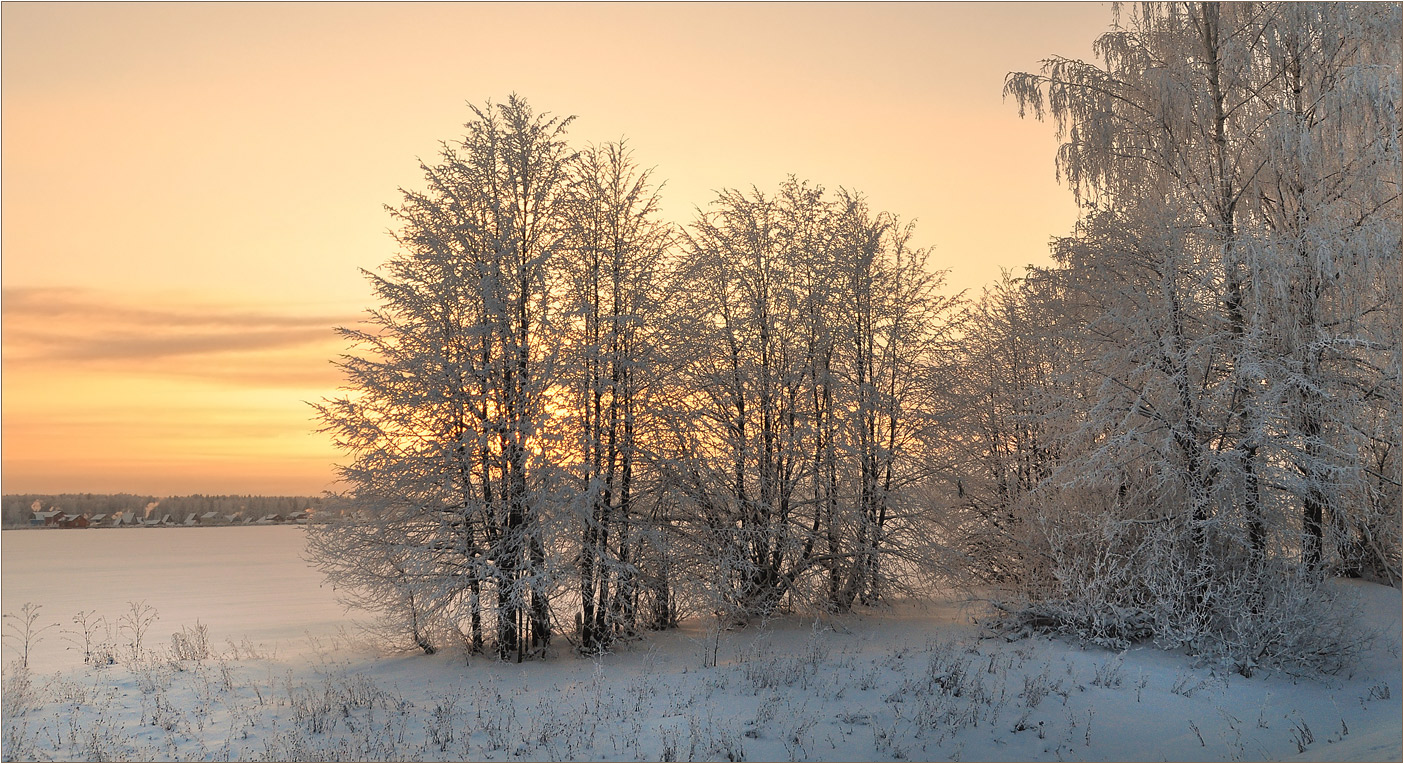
(190, 191)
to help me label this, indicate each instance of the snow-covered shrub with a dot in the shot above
(19, 691)
(191, 643)
(1287, 618)
(87, 636)
(1109, 674)
(152, 678)
(134, 625)
(1037, 687)
(714, 739)
(1113, 580)
(775, 671)
(24, 630)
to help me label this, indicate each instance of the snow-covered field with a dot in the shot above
(238, 581)
(281, 675)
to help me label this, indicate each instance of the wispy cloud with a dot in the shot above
(91, 329)
(106, 345)
(151, 310)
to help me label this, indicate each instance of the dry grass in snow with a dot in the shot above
(918, 681)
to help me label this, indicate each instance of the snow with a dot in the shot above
(916, 680)
(240, 582)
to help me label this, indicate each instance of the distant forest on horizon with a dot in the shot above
(17, 507)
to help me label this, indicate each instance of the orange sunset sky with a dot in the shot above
(189, 190)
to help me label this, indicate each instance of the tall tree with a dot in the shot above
(805, 350)
(1327, 210)
(1232, 158)
(447, 419)
(614, 256)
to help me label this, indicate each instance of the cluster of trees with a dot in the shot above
(567, 405)
(1196, 412)
(181, 507)
(569, 418)
(17, 507)
(808, 347)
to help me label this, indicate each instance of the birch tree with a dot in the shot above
(1231, 157)
(614, 258)
(805, 372)
(1021, 399)
(447, 419)
(745, 377)
(1328, 207)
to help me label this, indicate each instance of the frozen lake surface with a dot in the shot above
(238, 581)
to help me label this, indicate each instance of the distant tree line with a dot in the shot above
(566, 417)
(17, 508)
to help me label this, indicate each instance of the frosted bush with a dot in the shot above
(191, 643)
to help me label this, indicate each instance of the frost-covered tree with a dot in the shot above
(1238, 165)
(560, 401)
(1327, 249)
(614, 260)
(894, 330)
(1162, 131)
(448, 420)
(807, 331)
(1021, 398)
(739, 454)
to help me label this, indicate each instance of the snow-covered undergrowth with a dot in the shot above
(907, 684)
(917, 681)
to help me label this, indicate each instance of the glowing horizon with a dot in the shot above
(191, 190)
